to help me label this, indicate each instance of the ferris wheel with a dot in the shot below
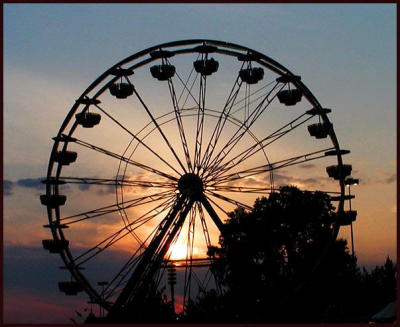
(156, 152)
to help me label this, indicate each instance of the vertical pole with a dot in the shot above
(101, 309)
(172, 282)
(173, 297)
(351, 226)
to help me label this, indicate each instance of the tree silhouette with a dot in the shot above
(380, 285)
(269, 251)
(267, 264)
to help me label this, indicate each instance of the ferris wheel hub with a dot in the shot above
(191, 185)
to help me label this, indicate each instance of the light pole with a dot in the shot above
(348, 182)
(172, 282)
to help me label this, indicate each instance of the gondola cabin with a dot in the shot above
(121, 90)
(70, 288)
(289, 97)
(251, 75)
(55, 246)
(65, 157)
(206, 67)
(339, 172)
(345, 218)
(319, 130)
(53, 200)
(162, 72)
(88, 119)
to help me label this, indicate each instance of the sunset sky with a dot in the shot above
(344, 53)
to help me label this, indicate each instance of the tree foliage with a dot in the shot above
(270, 269)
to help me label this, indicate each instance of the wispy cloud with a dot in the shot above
(8, 186)
(84, 187)
(310, 182)
(31, 183)
(387, 178)
(307, 166)
(391, 179)
(105, 190)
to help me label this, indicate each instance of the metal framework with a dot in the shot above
(195, 160)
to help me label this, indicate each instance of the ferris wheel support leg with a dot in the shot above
(138, 285)
(148, 255)
(214, 216)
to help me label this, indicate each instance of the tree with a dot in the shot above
(379, 286)
(268, 252)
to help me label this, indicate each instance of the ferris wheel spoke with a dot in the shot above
(206, 234)
(119, 278)
(120, 234)
(121, 158)
(231, 102)
(189, 256)
(271, 166)
(237, 136)
(260, 145)
(140, 141)
(180, 124)
(138, 222)
(200, 122)
(241, 131)
(246, 99)
(117, 182)
(241, 189)
(69, 220)
(159, 129)
(221, 121)
(229, 200)
(100, 247)
(185, 87)
(204, 224)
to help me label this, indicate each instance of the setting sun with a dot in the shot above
(178, 250)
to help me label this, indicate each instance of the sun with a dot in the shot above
(178, 250)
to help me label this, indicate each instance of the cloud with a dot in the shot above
(35, 183)
(282, 179)
(310, 182)
(252, 181)
(105, 190)
(391, 179)
(307, 166)
(387, 178)
(31, 183)
(8, 187)
(84, 187)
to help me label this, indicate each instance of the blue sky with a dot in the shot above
(345, 53)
